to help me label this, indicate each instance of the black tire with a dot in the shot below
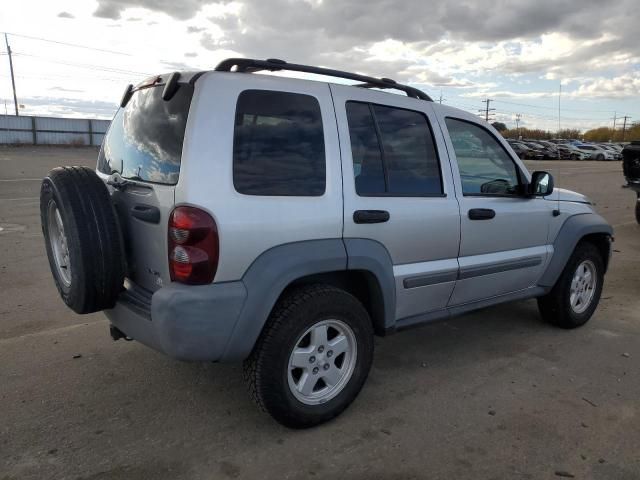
(96, 265)
(600, 157)
(638, 209)
(267, 368)
(555, 307)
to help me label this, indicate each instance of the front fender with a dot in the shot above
(574, 229)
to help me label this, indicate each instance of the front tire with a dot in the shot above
(312, 358)
(638, 209)
(575, 296)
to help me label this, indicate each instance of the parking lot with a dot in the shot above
(491, 395)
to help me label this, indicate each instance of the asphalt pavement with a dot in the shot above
(491, 395)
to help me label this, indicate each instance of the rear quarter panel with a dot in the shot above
(250, 225)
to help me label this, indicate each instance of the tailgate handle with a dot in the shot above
(370, 216)
(146, 213)
(481, 214)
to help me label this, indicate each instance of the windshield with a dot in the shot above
(144, 141)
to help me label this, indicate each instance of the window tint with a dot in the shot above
(278, 145)
(393, 151)
(485, 167)
(145, 138)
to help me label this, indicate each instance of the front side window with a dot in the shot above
(485, 167)
(393, 151)
(278, 144)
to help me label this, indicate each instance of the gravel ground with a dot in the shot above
(491, 395)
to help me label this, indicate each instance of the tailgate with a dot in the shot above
(143, 151)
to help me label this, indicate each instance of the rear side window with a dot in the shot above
(278, 144)
(144, 141)
(393, 151)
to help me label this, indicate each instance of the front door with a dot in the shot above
(398, 191)
(504, 233)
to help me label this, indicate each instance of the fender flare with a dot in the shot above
(272, 271)
(572, 231)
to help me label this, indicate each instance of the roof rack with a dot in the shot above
(248, 65)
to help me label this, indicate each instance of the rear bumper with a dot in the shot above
(185, 322)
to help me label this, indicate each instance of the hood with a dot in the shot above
(565, 195)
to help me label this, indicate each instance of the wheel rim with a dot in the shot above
(59, 245)
(322, 361)
(583, 286)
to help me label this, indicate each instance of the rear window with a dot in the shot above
(144, 141)
(278, 144)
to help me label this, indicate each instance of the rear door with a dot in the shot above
(398, 191)
(144, 146)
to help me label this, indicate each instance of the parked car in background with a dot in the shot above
(521, 150)
(549, 152)
(524, 151)
(546, 153)
(610, 148)
(596, 152)
(570, 152)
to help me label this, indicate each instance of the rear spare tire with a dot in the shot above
(82, 238)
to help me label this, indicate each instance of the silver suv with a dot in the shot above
(283, 222)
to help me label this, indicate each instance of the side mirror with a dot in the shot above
(541, 184)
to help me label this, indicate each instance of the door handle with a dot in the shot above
(481, 214)
(370, 216)
(146, 213)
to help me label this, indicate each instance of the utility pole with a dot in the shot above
(518, 116)
(559, 98)
(441, 99)
(13, 80)
(613, 135)
(624, 125)
(486, 110)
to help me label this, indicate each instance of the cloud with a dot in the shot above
(438, 43)
(65, 15)
(68, 107)
(182, 10)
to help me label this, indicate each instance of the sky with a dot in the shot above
(74, 58)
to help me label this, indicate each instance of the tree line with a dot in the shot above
(602, 134)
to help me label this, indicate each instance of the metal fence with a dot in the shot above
(51, 131)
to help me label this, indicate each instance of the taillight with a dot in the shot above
(193, 246)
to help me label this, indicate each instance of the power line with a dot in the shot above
(86, 65)
(546, 107)
(67, 44)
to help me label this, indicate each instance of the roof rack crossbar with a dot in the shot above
(248, 65)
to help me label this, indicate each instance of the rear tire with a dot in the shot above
(574, 298)
(82, 239)
(290, 338)
(638, 209)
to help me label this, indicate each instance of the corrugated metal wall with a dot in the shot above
(51, 131)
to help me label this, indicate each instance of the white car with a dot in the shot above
(596, 152)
